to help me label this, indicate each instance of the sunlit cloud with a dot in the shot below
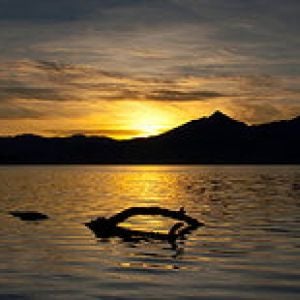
(49, 90)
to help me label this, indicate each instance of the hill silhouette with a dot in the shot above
(210, 140)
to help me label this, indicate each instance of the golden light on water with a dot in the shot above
(148, 186)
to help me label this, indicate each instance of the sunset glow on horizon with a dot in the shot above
(126, 69)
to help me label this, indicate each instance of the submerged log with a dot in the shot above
(29, 215)
(108, 227)
(154, 211)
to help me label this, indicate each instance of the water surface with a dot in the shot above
(249, 248)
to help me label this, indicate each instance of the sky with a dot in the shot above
(127, 68)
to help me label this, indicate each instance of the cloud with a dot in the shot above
(175, 95)
(14, 111)
(37, 10)
(53, 81)
(33, 93)
(72, 10)
(145, 38)
(52, 90)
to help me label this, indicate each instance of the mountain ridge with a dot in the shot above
(217, 139)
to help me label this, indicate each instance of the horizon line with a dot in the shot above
(85, 135)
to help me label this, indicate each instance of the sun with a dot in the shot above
(149, 120)
(148, 129)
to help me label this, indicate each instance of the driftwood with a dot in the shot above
(108, 227)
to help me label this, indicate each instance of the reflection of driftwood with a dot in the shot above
(29, 215)
(108, 227)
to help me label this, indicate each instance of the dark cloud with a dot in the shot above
(33, 10)
(73, 10)
(53, 81)
(185, 36)
(221, 11)
(13, 111)
(34, 93)
(52, 66)
(175, 95)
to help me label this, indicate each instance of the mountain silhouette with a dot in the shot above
(209, 140)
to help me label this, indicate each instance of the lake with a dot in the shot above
(249, 247)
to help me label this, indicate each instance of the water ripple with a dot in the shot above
(249, 248)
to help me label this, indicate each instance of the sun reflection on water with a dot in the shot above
(250, 234)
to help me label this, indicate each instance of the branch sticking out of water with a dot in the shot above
(108, 227)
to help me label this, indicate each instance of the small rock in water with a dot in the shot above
(29, 215)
